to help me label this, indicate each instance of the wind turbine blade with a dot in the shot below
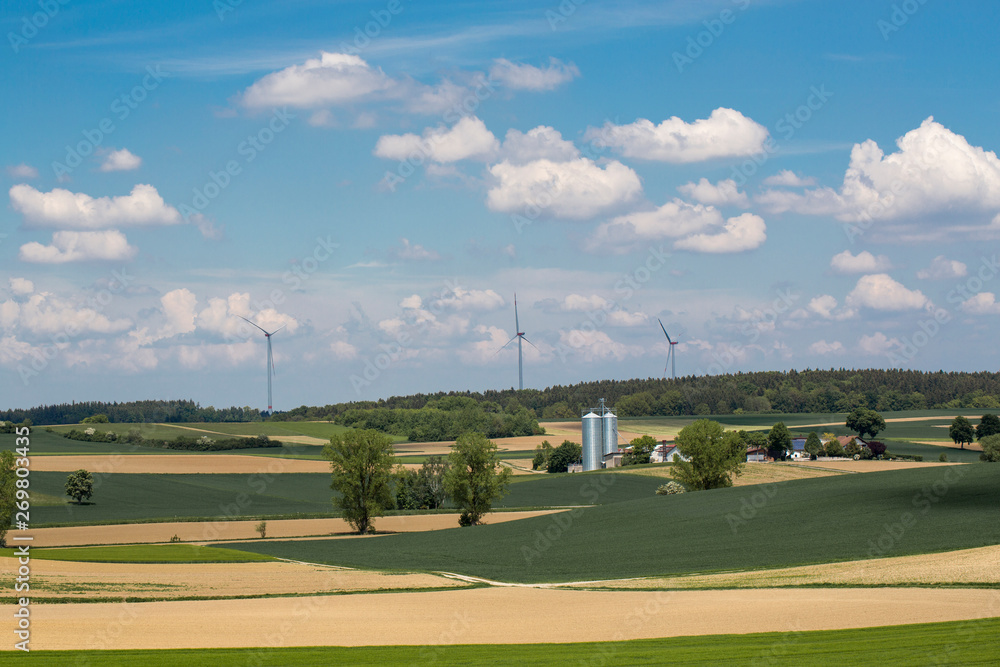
(664, 330)
(530, 343)
(249, 322)
(270, 355)
(505, 345)
(278, 329)
(517, 323)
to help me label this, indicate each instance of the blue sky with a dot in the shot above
(784, 184)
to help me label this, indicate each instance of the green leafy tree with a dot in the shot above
(475, 477)
(430, 483)
(642, 448)
(406, 488)
(8, 492)
(834, 448)
(853, 448)
(95, 419)
(991, 448)
(988, 425)
(542, 454)
(715, 456)
(361, 465)
(961, 431)
(865, 421)
(779, 441)
(80, 486)
(563, 456)
(813, 445)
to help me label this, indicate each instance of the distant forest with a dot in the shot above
(133, 412)
(741, 393)
(820, 391)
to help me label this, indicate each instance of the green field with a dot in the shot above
(838, 518)
(124, 497)
(959, 643)
(127, 497)
(145, 553)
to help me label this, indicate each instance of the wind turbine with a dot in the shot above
(270, 358)
(519, 335)
(671, 355)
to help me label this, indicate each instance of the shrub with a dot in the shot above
(918, 457)
(262, 529)
(175, 538)
(670, 488)
(991, 448)
(943, 458)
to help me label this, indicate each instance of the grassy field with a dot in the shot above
(124, 497)
(799, 522)
(964, 643)
(146, 553)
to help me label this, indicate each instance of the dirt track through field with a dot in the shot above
(489, 615)
(208, 531)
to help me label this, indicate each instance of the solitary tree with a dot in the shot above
(961, 431)
(361, 465)
(988, 425)
(642, 448)
(779, 441)
(8, 492)
(80, 485)
(813, 445)
(714, 456)
(475, 477)
(865, 421)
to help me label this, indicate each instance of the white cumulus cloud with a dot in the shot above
(110, 245)
(578, 189)
(942, 268)
(880, 292)
(539, 143)
(21, 286)
(331, 79)
(936, 186)
(863, 262)
(789, 178)
(725, 133)
(63, 209)
(744, 232)
(467, 139)
(723, 193)
(120, 160)
(984, 303)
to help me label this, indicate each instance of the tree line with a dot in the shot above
(819, 391)
(132, 412)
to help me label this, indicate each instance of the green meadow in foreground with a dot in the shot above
(145, 553)
(958, 643)
(844, 517)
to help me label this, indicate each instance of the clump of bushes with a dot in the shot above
(670, 488)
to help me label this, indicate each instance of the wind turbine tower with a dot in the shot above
(519, 335)
(671, 355)
(270, 357)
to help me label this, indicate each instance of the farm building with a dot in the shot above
(666, 452)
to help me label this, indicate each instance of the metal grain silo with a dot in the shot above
(610, 437)
(592, 441)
